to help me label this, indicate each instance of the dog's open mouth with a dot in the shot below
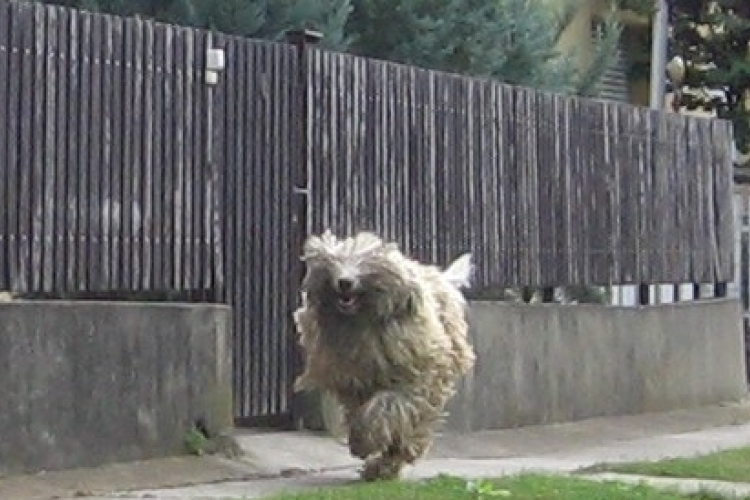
(347, 302)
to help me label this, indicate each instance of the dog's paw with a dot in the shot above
(302, 384)
(381, 469)
(361, 444)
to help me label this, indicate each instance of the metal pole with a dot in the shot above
(659, 54)
(656, 99)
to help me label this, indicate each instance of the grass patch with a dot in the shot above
(523, 487)
(729, 465)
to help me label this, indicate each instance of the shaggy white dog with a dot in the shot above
(387, 337)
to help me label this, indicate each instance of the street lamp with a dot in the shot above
(676, 75)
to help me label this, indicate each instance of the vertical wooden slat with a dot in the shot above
(525, 136)
(612, 158)
(20, 61)
(205, 182)
(395, 149)
(169, 165)
(600, 172)
(248, 247)
(85, 233)
(709, 235)
(484, 180)
(545, 190)
(641, 122)
(432, 161)
(117, 95)
(176, 65)
(55, 140)
(438, 178)
(377, 218)
(274, 388)
(188, 124)
(696, 189)
(312, 132)
(586, 150)
(649, 201)
(289, 264)
(145, 70)
(508, 183)
(680, 213)
(109, 211)
(160, 166)
(69, 69)
(36, 180)
(472, 217)
(724, 214)
(663, 164)
(582, 185)
(97, 161)
(9, 129)
(416, 160)
(562, 179)
(263, 179)
(630, 196)
(6, 188)
(672, 179)
(414, 170)
(126, 128)
(263, 64)
(532, 173)
(571, 187)
(199, 165)
(135, 198)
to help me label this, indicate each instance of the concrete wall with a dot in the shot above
(549, 363)
(87, 383)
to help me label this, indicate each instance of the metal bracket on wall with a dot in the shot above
(215, 63)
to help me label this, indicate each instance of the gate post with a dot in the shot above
(303, 406)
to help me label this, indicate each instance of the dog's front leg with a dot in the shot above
(389, 418)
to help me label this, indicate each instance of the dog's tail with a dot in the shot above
(459, 272)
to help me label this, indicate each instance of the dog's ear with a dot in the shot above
(312, 247)
(390, 247)
(318, 245)
(460, 271)
(364, 242)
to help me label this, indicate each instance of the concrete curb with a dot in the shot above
(684, 486)
(287, 461)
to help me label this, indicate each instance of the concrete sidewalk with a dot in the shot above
(276, 461)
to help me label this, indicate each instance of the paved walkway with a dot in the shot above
(276, 462)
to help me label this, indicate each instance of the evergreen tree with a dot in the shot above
(511, 40)
(264, 19)
(713, 39)
(267, 19)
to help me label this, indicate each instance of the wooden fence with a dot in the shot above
(544, 189)
(125, 175)
(106, 181)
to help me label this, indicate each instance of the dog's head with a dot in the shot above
(360, 277)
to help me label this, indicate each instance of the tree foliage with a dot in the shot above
(511, 40)
(264, 19)
(713, 39)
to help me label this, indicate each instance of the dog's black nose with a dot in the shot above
(346, 285)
